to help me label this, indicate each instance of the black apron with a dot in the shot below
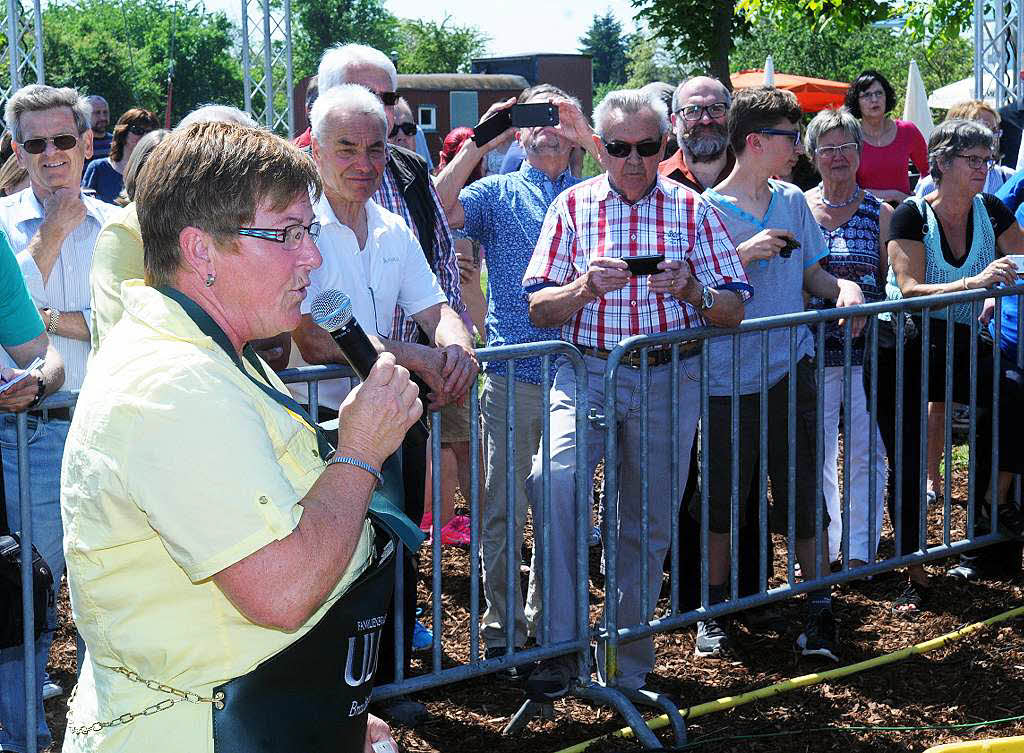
(311, 696)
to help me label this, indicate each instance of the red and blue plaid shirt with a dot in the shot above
(591, 219)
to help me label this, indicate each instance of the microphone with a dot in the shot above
(332, 310)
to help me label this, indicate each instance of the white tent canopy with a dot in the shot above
(960, 91)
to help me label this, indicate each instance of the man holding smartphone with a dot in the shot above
(578, 279)
(504, 214)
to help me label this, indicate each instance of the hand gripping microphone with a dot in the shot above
(332, 310)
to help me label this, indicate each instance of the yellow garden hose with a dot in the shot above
(803, 681)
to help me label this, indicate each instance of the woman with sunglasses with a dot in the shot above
(106, 176)
(955, 239)
(889, 145)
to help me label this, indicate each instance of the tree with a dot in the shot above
(323, 23)
(606, 45)
(120, 50)
(707, 30)
(650, 60)
(835, 53)
(430, 47)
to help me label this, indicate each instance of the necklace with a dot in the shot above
(841, 204)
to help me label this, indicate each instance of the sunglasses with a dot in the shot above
(138, 130)
(63, 142)
(407, 128)
(622, 149)
(388, 99)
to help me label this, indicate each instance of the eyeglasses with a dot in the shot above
(291, 236)
(388, 99)
(696, 112)
(794, 135)
(847, 149)
(37, 146)
(622, 149)
(138, 130)
(877, 94)
(407, 128)
(976, 163)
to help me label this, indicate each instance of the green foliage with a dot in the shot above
(430, 47)
(606, 44)
(701, 30)
(650, 60)
(836, 53)
(323, 23)
(120, 50)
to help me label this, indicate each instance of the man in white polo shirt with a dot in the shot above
(372, 256)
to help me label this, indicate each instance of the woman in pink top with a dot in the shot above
(889, 144)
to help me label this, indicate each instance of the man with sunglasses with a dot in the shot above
(700, 107)
(578, 279)
(780, 245)
(52, 229)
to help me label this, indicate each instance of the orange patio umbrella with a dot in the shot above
(814, 94)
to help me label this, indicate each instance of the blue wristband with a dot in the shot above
(359, 464)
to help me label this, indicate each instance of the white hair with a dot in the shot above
(338, 59)
(630, 102)
(217, 114)
(346, 98)
(37, 97)
(93, 97)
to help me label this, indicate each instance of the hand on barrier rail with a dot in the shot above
(850, 294)
(376, 415)
(605, 274)
(1001, 270)
(459, 370)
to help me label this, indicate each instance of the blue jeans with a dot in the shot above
(45, 452)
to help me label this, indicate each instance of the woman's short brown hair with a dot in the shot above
(757, 108)
(135, 117)
(214, 176)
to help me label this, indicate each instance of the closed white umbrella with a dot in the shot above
(915, 106)
(769, 71)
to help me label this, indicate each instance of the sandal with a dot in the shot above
(912, 600)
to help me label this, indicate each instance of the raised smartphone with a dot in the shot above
(516, 116)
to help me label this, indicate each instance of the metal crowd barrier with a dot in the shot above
(608, 629)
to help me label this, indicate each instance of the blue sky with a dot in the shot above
(519, 26)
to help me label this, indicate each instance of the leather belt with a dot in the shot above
(658, 357)
(52, 414)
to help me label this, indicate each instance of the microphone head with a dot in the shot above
(331, 310)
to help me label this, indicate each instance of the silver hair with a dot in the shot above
(37, 97)
(951, 137)
(338, 59)
(217, 114)
(630, 102)
(348, 98)
(830, 120)
(102, 99)
(677, 100)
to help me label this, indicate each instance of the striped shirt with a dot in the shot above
(445, 267)
(591, 220)
(67, 288)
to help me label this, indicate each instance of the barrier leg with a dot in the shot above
(526, 714)
(615, 698)
(663, 703)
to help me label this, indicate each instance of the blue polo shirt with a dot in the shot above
(505, 214)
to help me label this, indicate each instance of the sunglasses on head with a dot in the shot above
(622, 149)
(63, 142)
(407, 128)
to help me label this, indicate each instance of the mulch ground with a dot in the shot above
(976, 679)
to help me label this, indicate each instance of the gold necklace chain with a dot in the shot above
(180, 695)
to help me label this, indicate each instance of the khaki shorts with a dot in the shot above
(455, 423)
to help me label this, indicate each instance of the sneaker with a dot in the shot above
(402, 711)
(713, 642)
(508, 673)
(456, 532)
(594, 539)
(51, 690)
(551, 679)
(422, 638)
(819, 636)
(967, 569)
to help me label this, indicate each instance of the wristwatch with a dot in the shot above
(707, 298)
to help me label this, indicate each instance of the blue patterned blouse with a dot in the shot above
(853, 255)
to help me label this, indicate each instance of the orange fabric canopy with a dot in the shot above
(814, 94)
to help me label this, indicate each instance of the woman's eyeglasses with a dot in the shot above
(291, 236)
(847, 150)
(879, 94)
(408, 129)
(622, 149)
(37, 146)
(976, 163)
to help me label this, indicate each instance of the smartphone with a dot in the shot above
(792, 244)
(516, 116)
(1018, 261)
(644, 265)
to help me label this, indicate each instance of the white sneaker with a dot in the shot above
(51, 690)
